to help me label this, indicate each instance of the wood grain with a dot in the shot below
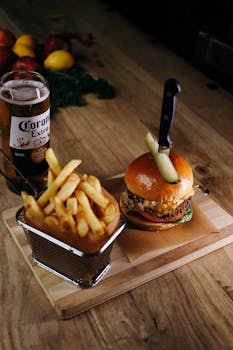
(190, 308)
(170, 252)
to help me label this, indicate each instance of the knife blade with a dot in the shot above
(171, 88)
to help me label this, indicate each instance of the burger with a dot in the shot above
(151, 203)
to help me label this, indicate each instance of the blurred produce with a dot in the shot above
(56, 42)
(6, 38)
(7, 57)
(27, 63)
(27, 40)
(58, 62)
(22, 50)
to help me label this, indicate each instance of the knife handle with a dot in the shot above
(171, 88)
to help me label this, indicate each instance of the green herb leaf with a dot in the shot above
(68, 87)
(187, 216)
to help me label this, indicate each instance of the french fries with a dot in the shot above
(32, 208)
(82, 224)
(96, 196)
(109, 214)
(51, 178)
(65, 191)
(52, 161)
(58, 182)
(71, 203)
(94, 182)
(90, 216)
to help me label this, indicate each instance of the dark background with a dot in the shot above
(199, 31)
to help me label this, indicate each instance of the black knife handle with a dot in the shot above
(171, 88)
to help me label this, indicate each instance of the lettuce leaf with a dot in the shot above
(187, 216)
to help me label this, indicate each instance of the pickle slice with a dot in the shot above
(151, 143)
(162, 160)
(166, 168)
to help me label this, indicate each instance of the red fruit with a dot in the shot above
(7, 57)
(7, 38)
(56, 42)
(27, 63)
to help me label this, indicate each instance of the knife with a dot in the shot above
(171, 88)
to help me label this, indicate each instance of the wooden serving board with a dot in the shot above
(69, 300)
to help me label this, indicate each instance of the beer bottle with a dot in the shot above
(25, 124)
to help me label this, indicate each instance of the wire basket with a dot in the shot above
(82, 269)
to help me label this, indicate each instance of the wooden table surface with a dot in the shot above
(189, 308)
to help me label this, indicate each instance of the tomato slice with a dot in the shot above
(155, 218)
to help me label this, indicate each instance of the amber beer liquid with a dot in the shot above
(25, 125)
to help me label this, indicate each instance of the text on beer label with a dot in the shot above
(30, 132)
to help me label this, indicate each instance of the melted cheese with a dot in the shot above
(163, 208)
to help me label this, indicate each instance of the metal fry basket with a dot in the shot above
(82, 269)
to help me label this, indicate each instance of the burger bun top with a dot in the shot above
(143, 179)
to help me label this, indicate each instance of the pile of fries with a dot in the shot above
(71, 203)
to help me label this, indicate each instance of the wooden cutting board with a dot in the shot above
(124, 275)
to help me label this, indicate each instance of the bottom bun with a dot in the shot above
(139, 221)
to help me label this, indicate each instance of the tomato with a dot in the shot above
(155, 218)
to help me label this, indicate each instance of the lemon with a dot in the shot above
(59, 60)
(22, 50)
(26, 39)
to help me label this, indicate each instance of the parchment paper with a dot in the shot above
(137, 243)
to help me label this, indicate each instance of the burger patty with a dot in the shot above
(171, 210)
(182, 207)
